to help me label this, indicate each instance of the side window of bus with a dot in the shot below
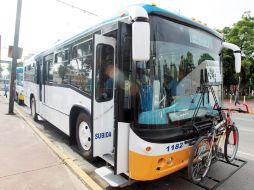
(48, 68)
(81, 67)
(29, 73)
(38, 72)
(61, 69)
(104, 72)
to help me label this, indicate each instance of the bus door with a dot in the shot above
(103, 94)
(47, 63)
(39, 78)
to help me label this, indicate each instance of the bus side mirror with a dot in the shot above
(140, 41)
(237, 62)
(237, 54)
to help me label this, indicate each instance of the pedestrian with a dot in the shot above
(237, 98)
(5, 90)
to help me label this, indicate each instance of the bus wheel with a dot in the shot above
(84, 135)
(33, 110)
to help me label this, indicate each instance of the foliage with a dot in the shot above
(205, 56)
(241, 34)
(188, 62)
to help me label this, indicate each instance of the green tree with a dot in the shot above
(188, 63)
(229, 75)
(205, 56)
(241, 34)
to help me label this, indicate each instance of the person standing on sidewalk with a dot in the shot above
(237, 99)
(5, 90)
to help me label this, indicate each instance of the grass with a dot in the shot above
(241, 97)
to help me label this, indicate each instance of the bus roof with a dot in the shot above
(152, 10)
(179, 18)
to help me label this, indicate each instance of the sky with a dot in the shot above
(44, 22)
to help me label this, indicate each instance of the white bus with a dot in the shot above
(126, 90)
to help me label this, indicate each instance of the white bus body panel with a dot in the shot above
(138, 145)
(58, 104)
(122, 148)
(29, 89)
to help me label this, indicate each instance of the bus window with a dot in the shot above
(29, 73)
(81, 67)
(104, 72)
(61, 68)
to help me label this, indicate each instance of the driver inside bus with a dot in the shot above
(108, 86)
(108, 75)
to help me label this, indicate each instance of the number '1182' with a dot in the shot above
(174, 146)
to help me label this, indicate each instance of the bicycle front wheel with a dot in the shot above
(200, 159)
(231, 144)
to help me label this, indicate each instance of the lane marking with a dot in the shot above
(242, 119)
(63, 156)
(245, 130)
(245, 153)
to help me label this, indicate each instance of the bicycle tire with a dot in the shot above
(230, 131)
(192, 176)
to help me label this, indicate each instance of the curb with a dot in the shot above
(63, 156)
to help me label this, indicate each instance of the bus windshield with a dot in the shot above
(169, 81)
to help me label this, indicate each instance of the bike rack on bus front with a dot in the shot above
(208, 179)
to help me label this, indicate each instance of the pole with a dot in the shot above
(14, 57)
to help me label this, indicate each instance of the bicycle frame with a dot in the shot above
(219, 141)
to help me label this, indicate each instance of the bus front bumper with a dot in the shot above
(144, 168)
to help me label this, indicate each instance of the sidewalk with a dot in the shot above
(249, 103)
(26, 162)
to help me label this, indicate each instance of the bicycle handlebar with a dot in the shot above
(236, 110)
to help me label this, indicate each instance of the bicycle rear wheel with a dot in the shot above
(231, 144)
(200, 160)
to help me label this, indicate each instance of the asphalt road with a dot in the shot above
(242, 179)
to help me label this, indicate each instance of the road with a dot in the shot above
(242, 179)
(245, 125)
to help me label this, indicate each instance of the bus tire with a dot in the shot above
(33, 109)
(84, 135)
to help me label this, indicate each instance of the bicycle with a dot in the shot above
(209, 147)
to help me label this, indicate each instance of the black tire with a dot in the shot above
(228, 141)
(84, 149)
(204, 163)
(33, 109)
